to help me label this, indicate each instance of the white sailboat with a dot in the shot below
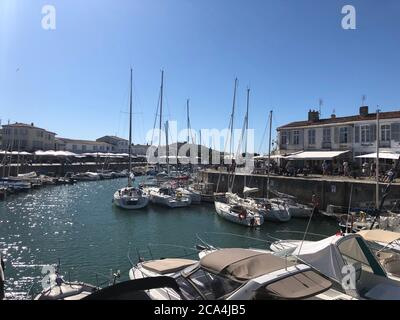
(130, 198)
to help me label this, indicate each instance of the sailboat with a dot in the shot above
(234, 209)
(130, 198)
(166, 195)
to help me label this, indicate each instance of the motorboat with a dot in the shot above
(131, 198)
(67, 291)
(168, 197)
(348, 261)
(87, 176)
(15, 185)
(237, 274)
(238, 214)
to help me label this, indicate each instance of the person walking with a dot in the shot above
(345, 168)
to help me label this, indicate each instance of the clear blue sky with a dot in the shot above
(75, 80)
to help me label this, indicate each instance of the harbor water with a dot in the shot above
(92, 238)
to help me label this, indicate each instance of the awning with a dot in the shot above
(379, 235)
(265, 157)
(316, 155)
(382, 155)
(52, 153)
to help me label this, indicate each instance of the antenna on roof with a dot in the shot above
(321, 102)
(363, 98)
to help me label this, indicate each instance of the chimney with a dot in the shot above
(333, 116)
(363, 111)
(313, 115)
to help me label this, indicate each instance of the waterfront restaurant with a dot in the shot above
(355, 135)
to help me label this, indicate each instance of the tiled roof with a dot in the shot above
(24, 125)
(370, 116)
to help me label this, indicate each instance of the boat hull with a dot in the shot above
(224, 211)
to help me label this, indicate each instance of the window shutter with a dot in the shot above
(357, 134)
(301, 137)
(336, 135)
(350, 135)
(395, 131)
(372, 132)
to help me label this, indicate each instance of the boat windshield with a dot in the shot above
(212, 286)
(187, 290)
(355, 249)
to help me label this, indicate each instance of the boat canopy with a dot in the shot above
(377, 235)
(330, 255)
(299, 286)
(247, 190)
(382, 155)
(316, 155)
(243, 264)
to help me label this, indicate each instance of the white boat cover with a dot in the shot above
(247, 190)
(327, 255)
(322, 255)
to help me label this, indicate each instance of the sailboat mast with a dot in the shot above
(246, 128)
(167, 145)
(269, 151)
(161, 105)
(377, 160)
(233, 116)
(130, 136)
(188, 120)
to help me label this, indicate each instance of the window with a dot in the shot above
(311, 136)
(365, 133)
(284, 138)
(296, 137)
(343, 135)
(94, 148)
(83, 148)
(74, 147)
(326, 135)
(101, 148)
(385, 132)
(212, 286)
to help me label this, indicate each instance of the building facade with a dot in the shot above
(357, 133)
(119, 145)
(82, 146)
(26, 137)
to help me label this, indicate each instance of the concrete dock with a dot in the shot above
(330, 190)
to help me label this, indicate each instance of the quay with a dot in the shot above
(330, 190)
(60, 169)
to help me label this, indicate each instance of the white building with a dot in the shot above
(82, 146)
(119, 145)
(357, 133)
